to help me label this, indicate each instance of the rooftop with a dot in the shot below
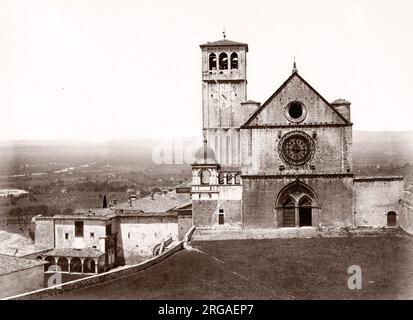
(224, 43)
(90, 214)
(9, 264)
(75, 253)
(159, 202)
(186, 184)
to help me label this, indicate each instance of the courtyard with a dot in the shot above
(314, 268)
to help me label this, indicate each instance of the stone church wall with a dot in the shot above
(332, 154)
(374, 197)
(334, 199)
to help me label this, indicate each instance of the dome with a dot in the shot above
(205, 155)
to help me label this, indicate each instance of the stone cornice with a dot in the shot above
(308, 125)
(299, 176)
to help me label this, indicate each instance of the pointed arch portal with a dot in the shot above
(296, 206)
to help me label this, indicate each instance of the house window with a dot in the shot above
(221, 217)
(66, 236)
(78, 228)
(108, 229)
(92, 234)
(128, 235)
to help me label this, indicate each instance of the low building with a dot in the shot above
(96, 240)
(19, 275)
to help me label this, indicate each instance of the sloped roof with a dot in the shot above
(295, 74)
(186, 184)
(159, 203)
(185, 206)
(75, 253)
(89, 214)
(9, 264)
(224, 43)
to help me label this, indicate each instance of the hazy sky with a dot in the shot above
(97, 70)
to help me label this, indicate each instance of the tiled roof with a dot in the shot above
(159, 203)
(224, 43)
(185, 206)
(91, 214)
(79, 253)
(9, 264)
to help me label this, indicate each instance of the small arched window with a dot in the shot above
(205, 176)
(221, 178)
(212, 61)
(223, 61)
(391, 219)
(229, 178)
(237, 178)
(234, 61)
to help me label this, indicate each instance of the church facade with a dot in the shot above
(284, 163)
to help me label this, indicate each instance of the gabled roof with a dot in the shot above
(224, 43)
(295, 74)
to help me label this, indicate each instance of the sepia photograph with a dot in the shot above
(224, 151)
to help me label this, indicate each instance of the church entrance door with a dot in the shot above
(305, 217)
(289, 217)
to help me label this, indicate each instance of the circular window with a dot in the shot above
(296, 148)
(295, 112)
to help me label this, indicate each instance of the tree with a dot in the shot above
(105, 202)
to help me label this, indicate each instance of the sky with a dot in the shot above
(99, 70)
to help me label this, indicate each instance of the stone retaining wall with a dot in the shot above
(88, 281)
(406, 214)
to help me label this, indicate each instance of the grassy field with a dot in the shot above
(271, 269)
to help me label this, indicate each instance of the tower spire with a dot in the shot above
(295, 70)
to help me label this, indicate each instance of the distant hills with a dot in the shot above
(370, 148)
(383, 147)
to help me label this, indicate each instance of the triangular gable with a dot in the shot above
(336, 117)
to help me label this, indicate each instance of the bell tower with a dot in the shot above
(224, 88)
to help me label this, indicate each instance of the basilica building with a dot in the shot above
(287, 162)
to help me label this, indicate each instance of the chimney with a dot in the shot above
(343, 107)
(132, 199)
